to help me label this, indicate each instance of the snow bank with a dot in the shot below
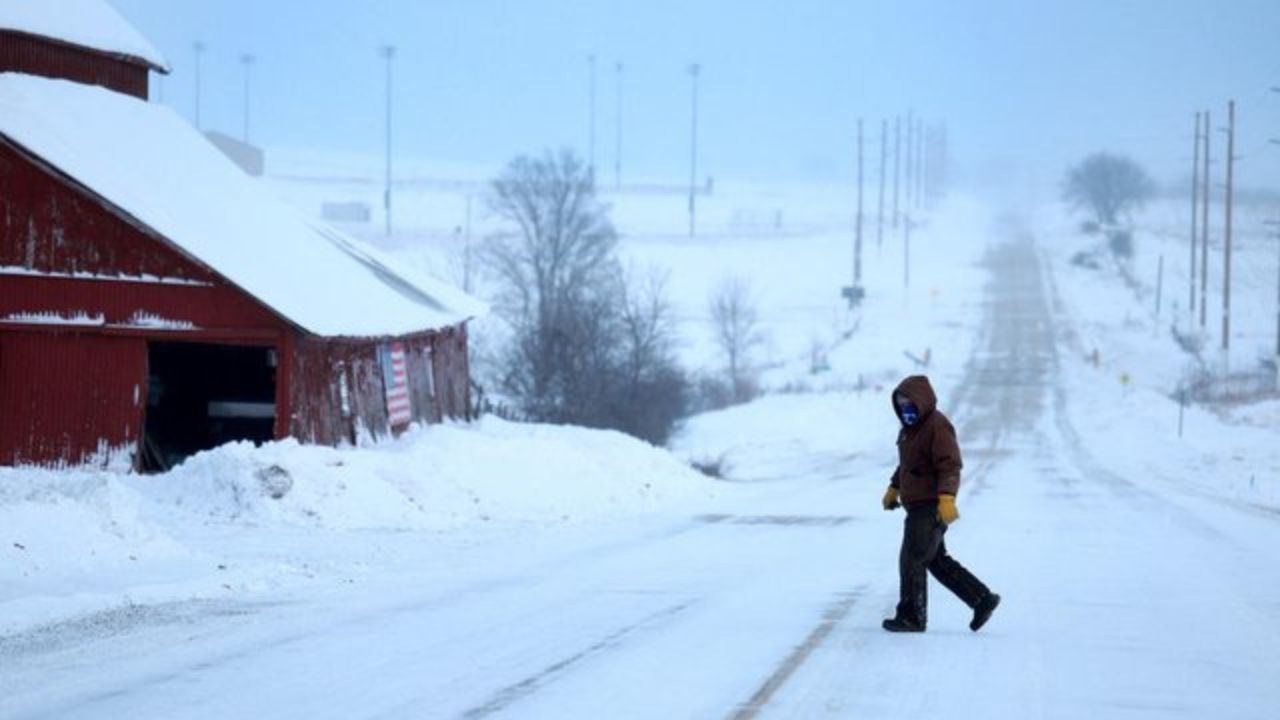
(1123, 400)
(239, 517)
(434, 478)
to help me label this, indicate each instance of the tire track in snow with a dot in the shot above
(511, 694)
(764, 694)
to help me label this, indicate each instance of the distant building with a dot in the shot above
(154, 301)
(346, 212)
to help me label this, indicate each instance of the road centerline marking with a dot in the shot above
(834, 614)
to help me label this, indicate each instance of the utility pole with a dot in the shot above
(1226, 250)
(906, 251)
(247, 61)
(1204, 226)
(897, 153)
(884, 146)
(199, 48)
(591, 115)
(694, 70)
(388, 54)
(857, 243)
(1195, 203)
(617, 137)
(1276, 224)
(931, 139)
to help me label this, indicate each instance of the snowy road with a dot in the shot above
(1123, 598)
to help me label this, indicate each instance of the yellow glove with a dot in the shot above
(890, 501)
(947, 511)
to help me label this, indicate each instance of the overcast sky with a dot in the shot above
(1024, 87)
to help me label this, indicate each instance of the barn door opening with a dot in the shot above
(200, 396)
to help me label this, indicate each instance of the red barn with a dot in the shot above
(155, 301)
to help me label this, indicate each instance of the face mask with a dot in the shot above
(910, 413)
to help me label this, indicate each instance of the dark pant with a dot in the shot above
(923, 549)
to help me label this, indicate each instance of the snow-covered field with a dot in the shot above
(508, 570)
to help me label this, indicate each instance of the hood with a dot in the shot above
(918, 390)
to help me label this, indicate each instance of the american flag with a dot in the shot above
(396, 377)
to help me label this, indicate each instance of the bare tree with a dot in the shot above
(582, 348)
(737, 326)
(654, 391)
(553, 266)
(1108, 186)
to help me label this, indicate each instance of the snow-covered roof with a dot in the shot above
(150, 163)
(88, 23)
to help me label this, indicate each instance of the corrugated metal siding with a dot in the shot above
(419, 356)
(453, 373)
(438, 384)
(49, 226)
(20, 52)
(64, 392)
(219, 310)
(70, 398)
(320, 369)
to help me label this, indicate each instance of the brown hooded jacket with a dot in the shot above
(928, 454)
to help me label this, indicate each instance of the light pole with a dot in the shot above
(199, 48)
(884, 137)
(591, 115)
(694, 70)
(1195, 208)
(1204, 223)
(1226, 253)
(247, 61)
(617, 148)
(388, 54)
(857, 242)
(897, 155)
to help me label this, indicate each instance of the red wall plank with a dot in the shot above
(33, 55)
(68, 398)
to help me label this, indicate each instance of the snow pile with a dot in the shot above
(63, 523)
(437, 477)
(81, 540)
(781, 437)
(74, 541)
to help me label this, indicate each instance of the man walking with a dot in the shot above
(925, 483)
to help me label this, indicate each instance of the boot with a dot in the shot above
(982, 611)
(898, 624)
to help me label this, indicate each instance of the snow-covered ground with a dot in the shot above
(525, 571)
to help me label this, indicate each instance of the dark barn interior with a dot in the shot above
(202, 395)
